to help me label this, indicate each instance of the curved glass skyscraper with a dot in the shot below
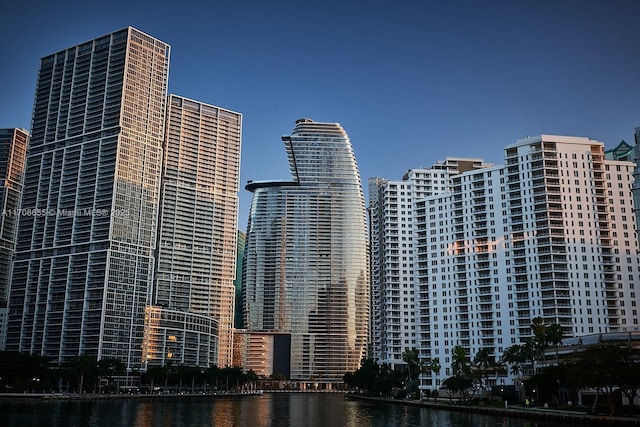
(306, 255)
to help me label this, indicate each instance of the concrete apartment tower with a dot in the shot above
(306, 256)
(13, 154)
(199, 224)
(394, 294)
(550, 234)
(85, 253)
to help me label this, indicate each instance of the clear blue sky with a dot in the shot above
(412, 82)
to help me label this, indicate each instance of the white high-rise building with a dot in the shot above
(550, 234)
(393, 234)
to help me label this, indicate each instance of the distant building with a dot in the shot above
(13, 154)
(551, 234)
(196, 258)
(306, 256)
(622, 152)
(636, 177)
(238, 322)
(268, 354)
(82, 277)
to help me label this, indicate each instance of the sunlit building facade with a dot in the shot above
(394, 292)
(13, 155)
(306, 256)
(550, 234)
(179, 338)
(238, 322)
(267, 354)
(199, 218)
(82, 277)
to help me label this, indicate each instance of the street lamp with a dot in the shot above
(535, 397)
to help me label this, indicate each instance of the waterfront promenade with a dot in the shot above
(514, 411)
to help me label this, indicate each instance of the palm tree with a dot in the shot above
(554, 337)
(459, 360)
(410, 357)
(84, 367)
(515, 356)
(484, 361)
(111, 367)
(538, 342)
(434, 366)
(538, 328)
(251, 378)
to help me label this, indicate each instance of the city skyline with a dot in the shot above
(80, 96)
(413, 83)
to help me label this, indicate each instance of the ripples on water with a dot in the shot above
(277, 409)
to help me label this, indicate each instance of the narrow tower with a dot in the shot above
(199, 218)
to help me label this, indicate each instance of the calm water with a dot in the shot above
(278, 409)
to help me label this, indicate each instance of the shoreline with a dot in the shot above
(96, 396)
(515, 411)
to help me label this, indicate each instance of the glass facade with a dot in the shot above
(305, 269)
(86, 239)
(199, 215)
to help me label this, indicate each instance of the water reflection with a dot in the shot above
(279, 409)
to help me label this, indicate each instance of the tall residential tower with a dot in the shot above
(198, 220)
(550, 234)
(393, 255)
(13, 155)
(85, 254)
(306, 262)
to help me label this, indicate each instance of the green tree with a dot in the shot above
(410, 357)
(485, 363)
(537, 343)
(84, 370)
(463, 386)
(515, 356)
(465, 381)
(24, 372)
(545, 386)
(110, 367)
(251, 378)
(435, 367)
(459, 363)
(374, 379)
(601, 367)
(554, 336)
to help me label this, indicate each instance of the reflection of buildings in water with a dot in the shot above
(231, 412)
(144, 414)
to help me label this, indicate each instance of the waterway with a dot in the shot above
(270, 409)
